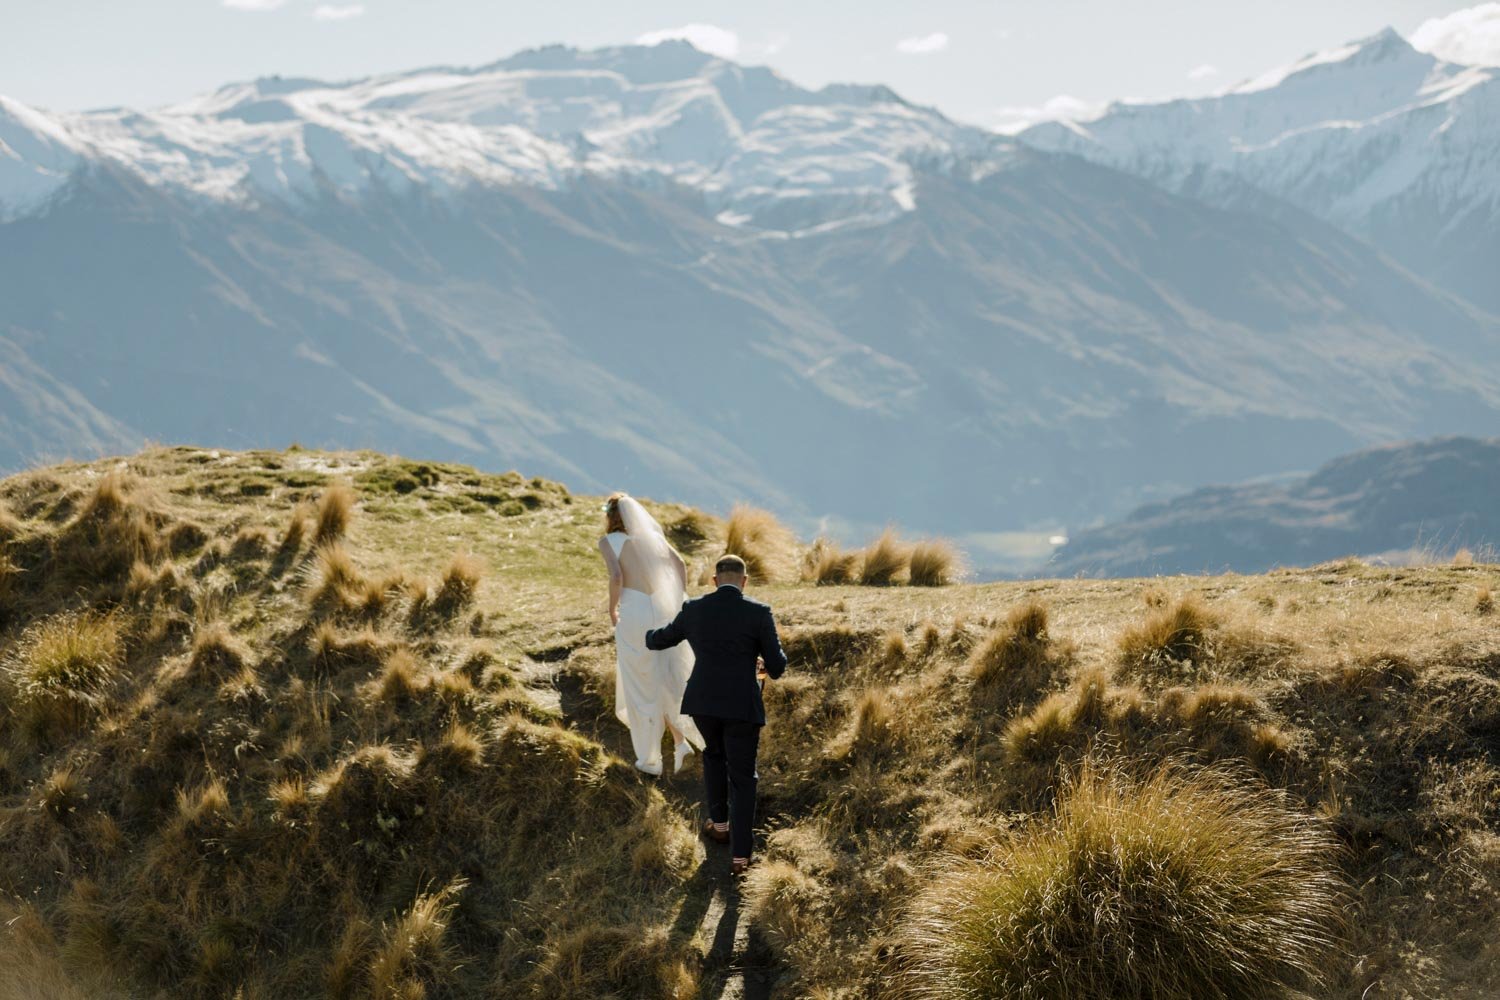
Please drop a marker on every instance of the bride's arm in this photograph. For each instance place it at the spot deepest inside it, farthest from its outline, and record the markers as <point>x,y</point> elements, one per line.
<point>615,580</point>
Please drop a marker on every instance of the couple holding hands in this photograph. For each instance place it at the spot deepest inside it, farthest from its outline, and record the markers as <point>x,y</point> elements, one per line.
<point>692,668</point>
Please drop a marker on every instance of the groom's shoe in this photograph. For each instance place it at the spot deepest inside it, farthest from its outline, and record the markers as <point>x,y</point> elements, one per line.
<point>739,866</point>
<point>712,832</point>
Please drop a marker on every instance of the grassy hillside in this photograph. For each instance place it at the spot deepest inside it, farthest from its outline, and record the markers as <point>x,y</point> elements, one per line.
<point>306,724</point>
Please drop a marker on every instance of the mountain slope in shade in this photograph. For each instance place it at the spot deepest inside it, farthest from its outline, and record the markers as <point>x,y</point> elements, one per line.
<point>1032,347</point>
<point>1388,142</point>
<point>1434,496</point>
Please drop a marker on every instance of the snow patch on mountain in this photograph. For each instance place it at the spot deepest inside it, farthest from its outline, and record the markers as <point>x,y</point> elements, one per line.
<point>764,152</point>
<point>1348,134</point>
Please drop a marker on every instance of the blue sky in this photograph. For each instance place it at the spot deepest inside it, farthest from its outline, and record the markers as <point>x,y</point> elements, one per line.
<point>980,61</point>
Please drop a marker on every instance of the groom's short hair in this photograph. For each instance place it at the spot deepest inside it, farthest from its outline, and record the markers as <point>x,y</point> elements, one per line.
<point>730,565</point>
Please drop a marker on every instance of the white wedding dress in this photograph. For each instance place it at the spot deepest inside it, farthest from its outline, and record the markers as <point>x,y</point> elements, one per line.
<point>649,684</point>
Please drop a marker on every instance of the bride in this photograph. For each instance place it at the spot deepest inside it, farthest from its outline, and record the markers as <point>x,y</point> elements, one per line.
<point>647,584</point>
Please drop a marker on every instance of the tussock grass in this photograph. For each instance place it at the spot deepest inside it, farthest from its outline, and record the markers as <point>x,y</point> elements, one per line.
<point>10,574</point>
<point>323,794</point>
<point>826,563</point>
<point>185,539</point>
<point>334,512</point>
<point>33,964</point>
<point>459,583</point>
<point>218,654</point>
<point>601,961</point>
<point>296,530</point>
<point>64,669</point>
<point>110,533</point>
<point>413,955</point>
<point>252,542</point>
<point>690,531</point>
<point>1484,601</point>
<point>402,678</point>
<point>1179,633</point>
<point>768,547</point>
<point>1183,885</point>
<point>333,581</point>
<point>884,560</point>
<point>10,525</point>
<point>1020,659</point>
<point>934,562</point>
<point>1071,719</point>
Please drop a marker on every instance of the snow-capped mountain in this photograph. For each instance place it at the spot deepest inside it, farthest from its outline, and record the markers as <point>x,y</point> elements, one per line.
<point>651,269</point>
<point>1385,141</point>
<point>763,151</point>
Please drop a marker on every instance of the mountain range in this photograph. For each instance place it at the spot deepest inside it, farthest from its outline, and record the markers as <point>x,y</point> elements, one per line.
<point>650,268</point>
<point>1401,502</point>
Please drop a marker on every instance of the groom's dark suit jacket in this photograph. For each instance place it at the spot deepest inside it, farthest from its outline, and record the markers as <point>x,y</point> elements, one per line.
<point>727,631</point>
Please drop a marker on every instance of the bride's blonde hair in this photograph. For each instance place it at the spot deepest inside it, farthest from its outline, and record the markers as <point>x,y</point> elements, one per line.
<point>613,520</point>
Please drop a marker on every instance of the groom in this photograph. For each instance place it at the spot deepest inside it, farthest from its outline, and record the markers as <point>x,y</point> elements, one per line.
<point>727,631</point>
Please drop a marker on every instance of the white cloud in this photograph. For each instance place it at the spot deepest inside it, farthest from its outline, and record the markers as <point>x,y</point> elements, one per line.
<point>1010,120</point>
<point>329,12</point>
<point>253,4</point>
<point>1203,72</point>
<point>922,45</point>
<point>710,38</point>
<point>1470,36</point>
<point>774,44</point>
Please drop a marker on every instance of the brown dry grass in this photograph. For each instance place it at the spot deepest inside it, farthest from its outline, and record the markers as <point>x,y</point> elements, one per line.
<point>335,770</point>
<point>768,547</point>
<point>884,561</point>
<point>934,562</point>
<point>334,511</point>
<point>1182,885</point>
<point>826,564</point>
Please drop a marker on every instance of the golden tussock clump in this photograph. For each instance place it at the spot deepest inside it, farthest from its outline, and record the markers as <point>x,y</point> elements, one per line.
<point>460,582</point>
<point>599,961</point>
<point>34,967</point>
<point>333,581</point>
<point>884,560</point>
<point>1021,658</point>
<point>333,649</point>
<point>690,531</point>
<point>1070,719</point>
<point>1177,633</point>
<point>767,546</point>
<point>10,525</point>
<point>218,654</point>
<point>1484,601</point>
<point>1183,885</point>
<point>934,562</point>
<point>108,535</point>
<point>296,529</point>
<point>64,667</point>
<point>827,564</point>
<point>790,907</point>
<point>413,955</point>
<point>402,678</point>
<point>334,512</point>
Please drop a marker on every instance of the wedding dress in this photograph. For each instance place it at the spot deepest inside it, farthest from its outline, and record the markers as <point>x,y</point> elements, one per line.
<point>649,685</point>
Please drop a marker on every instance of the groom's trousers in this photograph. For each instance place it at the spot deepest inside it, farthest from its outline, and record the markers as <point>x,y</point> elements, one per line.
<point>729,749</point>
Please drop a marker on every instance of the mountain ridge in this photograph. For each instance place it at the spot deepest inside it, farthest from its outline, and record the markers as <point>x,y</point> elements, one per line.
<point>1422,500</point>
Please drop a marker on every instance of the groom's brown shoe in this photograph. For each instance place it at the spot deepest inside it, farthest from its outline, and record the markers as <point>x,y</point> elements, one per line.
<point>714,833</point>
